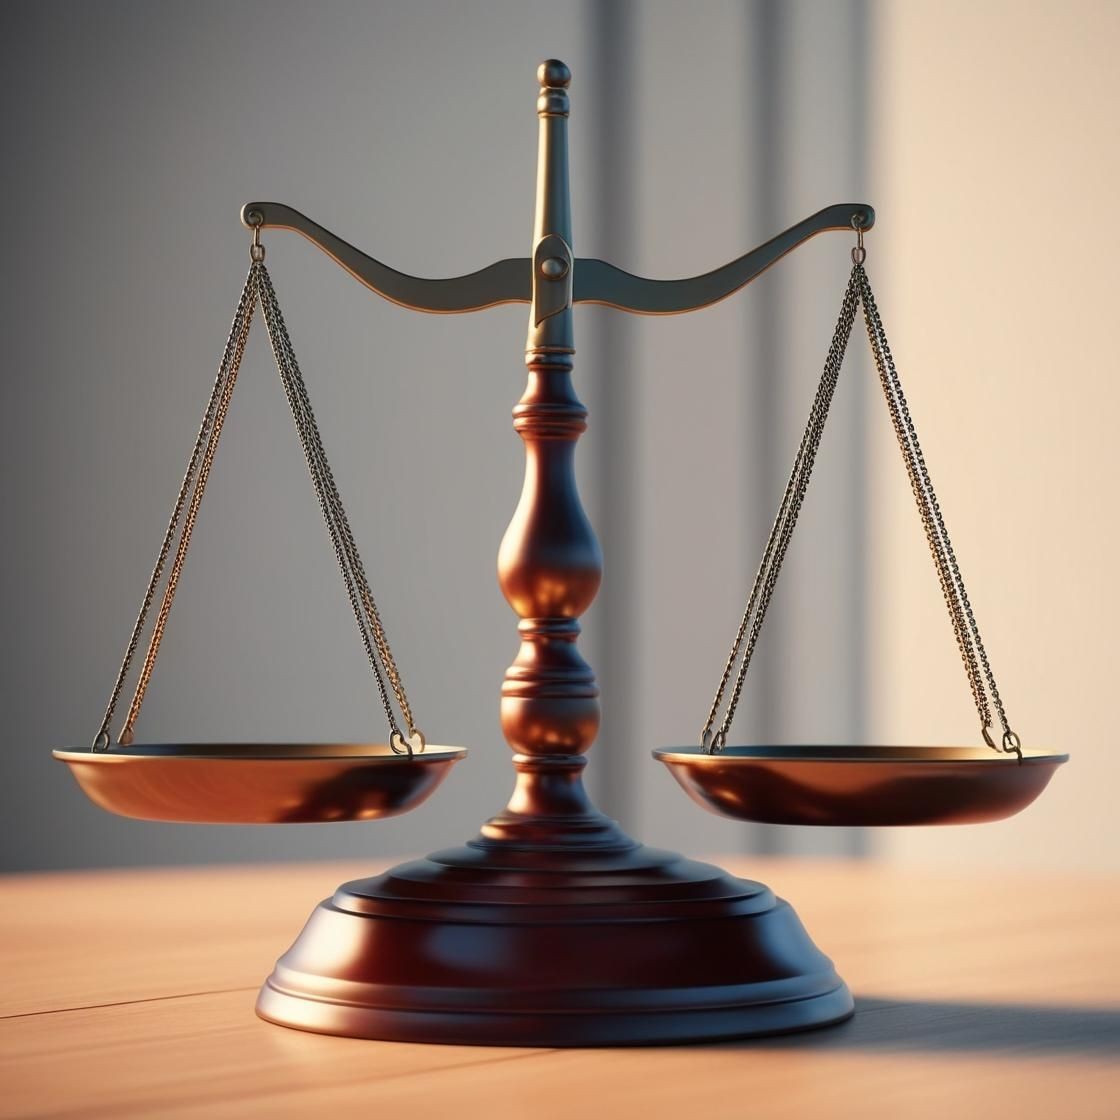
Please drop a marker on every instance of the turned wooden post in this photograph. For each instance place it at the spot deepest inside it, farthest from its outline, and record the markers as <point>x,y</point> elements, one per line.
<point>549,564</point>
<point>553,928</point>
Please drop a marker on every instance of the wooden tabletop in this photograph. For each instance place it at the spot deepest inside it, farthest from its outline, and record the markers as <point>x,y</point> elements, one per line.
<point>131,993</point>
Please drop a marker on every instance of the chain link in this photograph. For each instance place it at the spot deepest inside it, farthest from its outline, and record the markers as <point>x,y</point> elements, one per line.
<point>973,654</point>
<point>258,286</point>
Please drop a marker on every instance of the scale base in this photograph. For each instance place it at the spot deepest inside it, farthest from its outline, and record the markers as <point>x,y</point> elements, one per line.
<point>601,943</point>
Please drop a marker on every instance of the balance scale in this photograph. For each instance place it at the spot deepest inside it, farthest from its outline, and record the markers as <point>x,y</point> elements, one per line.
<point>552,927</point>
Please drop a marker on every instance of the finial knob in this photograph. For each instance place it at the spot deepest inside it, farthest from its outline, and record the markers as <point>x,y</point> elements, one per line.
<point>553,74</point>
<point>554,77</point>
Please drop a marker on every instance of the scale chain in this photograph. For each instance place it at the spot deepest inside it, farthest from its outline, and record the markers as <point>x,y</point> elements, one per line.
<point>327,508</point>
<point>960,607</point>
<point>258,286</point>
<point>782,530</point>
<point>330,501</point>
<point>231,360</point>
<point>929,522</point>
<point>966,631</point>
<point>158,629</point>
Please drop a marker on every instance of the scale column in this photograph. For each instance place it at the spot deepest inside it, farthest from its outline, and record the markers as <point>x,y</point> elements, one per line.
<point>550,564</point>
<point>553,928</point>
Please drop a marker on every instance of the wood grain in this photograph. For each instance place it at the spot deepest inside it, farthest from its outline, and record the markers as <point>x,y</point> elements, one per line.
<point>130,994</point>
<point>79,939</point>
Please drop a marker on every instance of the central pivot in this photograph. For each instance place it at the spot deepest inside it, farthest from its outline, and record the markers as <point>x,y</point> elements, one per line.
<point>553,928</point>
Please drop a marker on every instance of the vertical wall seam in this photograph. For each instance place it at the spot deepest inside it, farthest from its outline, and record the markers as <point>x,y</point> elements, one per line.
<point>611,123</point>
<point>766,173</point>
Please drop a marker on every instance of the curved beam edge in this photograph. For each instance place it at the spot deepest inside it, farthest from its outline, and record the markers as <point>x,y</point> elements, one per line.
<point>603,283</point>
<point>506,281</point>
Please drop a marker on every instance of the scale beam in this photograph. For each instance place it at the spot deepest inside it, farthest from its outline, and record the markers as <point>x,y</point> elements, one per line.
<point>603,283</point>
<point>505,281</point>
<point>592,281</point>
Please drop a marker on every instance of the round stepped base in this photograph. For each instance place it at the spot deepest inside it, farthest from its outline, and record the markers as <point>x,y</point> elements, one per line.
<point>497,944</point>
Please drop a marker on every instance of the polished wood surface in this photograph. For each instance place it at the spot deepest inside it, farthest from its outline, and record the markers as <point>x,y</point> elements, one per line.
<point>978,994</point>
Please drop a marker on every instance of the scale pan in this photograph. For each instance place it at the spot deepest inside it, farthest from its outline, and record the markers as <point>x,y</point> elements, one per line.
<point>259,783</point>
<point>863,786</point>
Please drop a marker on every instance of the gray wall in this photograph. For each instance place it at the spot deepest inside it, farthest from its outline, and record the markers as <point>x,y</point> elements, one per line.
<point>134,131</point>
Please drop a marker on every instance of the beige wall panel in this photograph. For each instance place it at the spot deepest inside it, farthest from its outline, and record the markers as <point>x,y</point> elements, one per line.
<point>997,163</point>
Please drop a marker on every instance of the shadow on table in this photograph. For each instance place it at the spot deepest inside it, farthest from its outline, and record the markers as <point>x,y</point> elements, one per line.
<point>1028,1030</point>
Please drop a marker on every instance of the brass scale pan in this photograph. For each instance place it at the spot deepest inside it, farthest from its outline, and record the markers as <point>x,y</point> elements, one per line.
<point>293,783</point>
<point>864,786</point>
<point>259,783</point>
